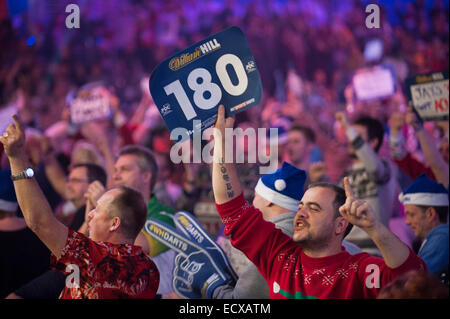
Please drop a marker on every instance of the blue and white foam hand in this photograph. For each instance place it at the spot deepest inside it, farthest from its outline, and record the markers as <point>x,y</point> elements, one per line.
<point>197,275</point>
<point>189,226</point>
<point>196,272</point>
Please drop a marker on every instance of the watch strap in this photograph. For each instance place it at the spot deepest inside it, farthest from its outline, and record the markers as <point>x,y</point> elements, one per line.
<point>21,175</point>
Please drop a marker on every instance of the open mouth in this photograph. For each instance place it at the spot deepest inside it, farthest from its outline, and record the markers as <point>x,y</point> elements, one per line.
<point>300,224</point>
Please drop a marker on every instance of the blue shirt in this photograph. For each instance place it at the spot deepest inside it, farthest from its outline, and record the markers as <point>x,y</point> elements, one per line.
<point>435,247</point>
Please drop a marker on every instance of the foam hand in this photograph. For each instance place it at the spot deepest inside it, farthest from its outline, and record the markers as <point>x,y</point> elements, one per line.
<point>189,226</point>
<point>198,268</point>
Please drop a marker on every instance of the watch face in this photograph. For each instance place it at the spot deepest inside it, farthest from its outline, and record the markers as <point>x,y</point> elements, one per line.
<point>29,172</point>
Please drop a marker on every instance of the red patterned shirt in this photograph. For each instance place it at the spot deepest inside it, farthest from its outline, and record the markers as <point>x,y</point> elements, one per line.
<point>101,270</point>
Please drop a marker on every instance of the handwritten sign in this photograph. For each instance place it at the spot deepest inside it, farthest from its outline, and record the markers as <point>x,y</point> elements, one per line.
<point>428,95</point>
<point>373,83</point>
<point>91,103</point>
<point>190,85</point>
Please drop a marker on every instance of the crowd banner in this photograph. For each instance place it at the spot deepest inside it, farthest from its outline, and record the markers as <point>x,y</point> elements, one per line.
<point>191,84</point>
<point>428,95</point>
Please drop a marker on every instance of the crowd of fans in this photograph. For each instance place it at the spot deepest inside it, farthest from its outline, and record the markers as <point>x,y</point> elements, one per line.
<point>306,53</point>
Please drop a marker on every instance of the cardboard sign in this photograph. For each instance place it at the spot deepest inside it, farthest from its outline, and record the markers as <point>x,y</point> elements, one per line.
<point>373,83</point>
<point>428,95</point>
<point>90,104</point>
<point>190,85</point>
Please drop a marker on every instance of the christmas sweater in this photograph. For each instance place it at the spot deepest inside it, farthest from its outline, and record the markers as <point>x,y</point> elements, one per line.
<point>290,273</point>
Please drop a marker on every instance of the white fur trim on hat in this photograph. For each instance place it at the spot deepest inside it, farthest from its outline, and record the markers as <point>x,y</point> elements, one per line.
<point>275,197</point>
<point>424,199</point>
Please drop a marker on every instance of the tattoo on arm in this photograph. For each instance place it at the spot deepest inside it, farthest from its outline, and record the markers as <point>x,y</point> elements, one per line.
<point>226,178</point>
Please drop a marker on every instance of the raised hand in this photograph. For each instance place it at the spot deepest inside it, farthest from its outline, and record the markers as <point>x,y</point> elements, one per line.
<point>341,117</point>
<point>412,119</point>
<point>396,122</point>
<point>356,211</point>
<point>222,123</point>
<point>317,171</point>
<point>13,139</point>
<point>94,192</point>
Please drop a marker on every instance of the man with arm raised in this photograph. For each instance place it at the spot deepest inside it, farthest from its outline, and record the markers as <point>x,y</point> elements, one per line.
<point>109,265</point>
<point>311,264</point>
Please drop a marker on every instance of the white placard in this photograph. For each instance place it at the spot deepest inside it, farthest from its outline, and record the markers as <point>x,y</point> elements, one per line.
<point>91,105</point>
<point>431,99</point>
<point>374,83</point>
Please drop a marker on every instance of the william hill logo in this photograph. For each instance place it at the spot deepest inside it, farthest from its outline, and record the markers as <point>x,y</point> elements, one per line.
<point>188,57</point>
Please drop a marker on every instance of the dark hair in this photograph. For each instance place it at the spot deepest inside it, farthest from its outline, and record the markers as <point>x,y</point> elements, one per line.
<point>130,207</point>
<point>414,285</point>
<point>94,172</point>
<point>146,160</point>
<point>374,129</point>
<point>338,201</point>
<point>306,131</point>
<point>441,211</point>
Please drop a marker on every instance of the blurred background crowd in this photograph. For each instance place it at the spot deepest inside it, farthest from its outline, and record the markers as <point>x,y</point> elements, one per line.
<point>306,52</point>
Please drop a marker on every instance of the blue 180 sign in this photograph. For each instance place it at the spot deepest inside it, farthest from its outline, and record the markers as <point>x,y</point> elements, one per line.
<point>189,86</point>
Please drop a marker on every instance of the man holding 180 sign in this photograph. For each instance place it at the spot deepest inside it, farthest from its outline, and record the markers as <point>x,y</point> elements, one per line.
<point>312,263</point>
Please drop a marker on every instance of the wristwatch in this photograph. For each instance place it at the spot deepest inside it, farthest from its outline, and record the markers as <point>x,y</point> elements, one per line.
<point>26,174</point>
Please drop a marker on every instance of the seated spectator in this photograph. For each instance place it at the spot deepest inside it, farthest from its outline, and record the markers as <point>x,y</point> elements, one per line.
<point>23,256</point>
<point>426,206</point>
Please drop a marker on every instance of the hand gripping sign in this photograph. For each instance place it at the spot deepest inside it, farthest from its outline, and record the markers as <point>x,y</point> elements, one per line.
<point>201,265</point>
<point>190,85</point>
<point>428,95</point>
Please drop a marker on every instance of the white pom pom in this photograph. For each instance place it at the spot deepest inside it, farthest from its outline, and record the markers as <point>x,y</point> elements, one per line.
<point>280,185</point>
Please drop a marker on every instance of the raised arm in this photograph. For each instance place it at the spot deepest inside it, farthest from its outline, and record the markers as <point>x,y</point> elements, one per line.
<point>363,150</point>
<point>35,207</point>
<point>225,181</point>
<point>54,172</point>
<point>359,213</point>
<point>432,156</point>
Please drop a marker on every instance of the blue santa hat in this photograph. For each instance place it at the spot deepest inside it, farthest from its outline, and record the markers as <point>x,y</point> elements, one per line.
<point>8,201</point>
<point>284,187</point>
<point>425,192</point>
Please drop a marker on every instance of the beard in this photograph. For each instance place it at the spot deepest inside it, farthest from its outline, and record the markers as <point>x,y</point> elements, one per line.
<point>311,242</point>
